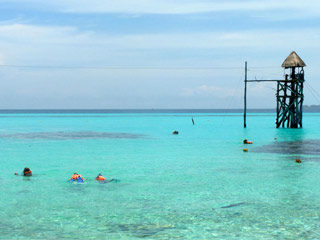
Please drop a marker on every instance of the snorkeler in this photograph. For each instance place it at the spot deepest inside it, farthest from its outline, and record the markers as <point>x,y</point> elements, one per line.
<point>27,172</point>
<point>100,177</point>
<point>76,177</point>
<point>245,141</point>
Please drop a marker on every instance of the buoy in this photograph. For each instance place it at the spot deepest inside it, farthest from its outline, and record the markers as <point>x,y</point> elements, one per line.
<point>245,150</point>
<point>298,160</point>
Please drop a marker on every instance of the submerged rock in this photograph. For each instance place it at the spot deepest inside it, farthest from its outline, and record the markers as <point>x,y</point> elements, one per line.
<point>141,230</point>
<point>61,135</point>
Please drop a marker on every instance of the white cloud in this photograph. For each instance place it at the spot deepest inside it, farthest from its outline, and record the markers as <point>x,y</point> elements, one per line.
<point>173,7</point>
<point>67,46</point>
<point>40,35</point>
<point>254,90</point>
<point>205,90</point>
<point>29,44</point>
<point>23,44</point>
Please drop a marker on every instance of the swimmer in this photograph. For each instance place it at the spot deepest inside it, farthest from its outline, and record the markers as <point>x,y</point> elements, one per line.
<point>27,172</point>
<point>245,141</point>
<point>76,177</point>
<point>100,178</point>
<point>175,132</point>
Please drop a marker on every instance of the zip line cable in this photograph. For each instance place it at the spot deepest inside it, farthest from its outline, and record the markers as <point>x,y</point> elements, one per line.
<point>127,67</point>
<point>317,93</point>
<point>232,100</point>
<point>117,67</point>
<point>313,92</point>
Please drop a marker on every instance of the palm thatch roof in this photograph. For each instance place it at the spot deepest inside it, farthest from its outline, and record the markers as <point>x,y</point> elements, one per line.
<point>293,60</point>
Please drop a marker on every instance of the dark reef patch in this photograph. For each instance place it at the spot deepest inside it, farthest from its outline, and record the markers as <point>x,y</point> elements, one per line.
<point>308,147</point>
<point>140,230</point>
<point>61,135</point>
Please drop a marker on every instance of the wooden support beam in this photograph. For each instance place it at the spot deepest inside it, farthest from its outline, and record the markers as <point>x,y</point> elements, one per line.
<point>245,95</point>
<point>289,97</point>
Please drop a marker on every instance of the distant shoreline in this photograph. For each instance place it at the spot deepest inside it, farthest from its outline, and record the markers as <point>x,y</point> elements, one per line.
<point>306,109</point>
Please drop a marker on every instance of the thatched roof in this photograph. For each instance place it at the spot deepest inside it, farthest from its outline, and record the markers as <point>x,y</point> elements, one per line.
<point>293,60</point>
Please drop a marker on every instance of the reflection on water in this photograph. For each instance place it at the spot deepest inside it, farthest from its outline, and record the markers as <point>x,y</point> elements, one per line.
<point>70,135</point>
<point>310,147</point>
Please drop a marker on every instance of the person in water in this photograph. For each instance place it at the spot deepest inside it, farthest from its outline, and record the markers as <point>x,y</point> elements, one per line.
<point>245,141</point>
<point>76,177</point>
<point>100,177</point>
<point>27,172</point>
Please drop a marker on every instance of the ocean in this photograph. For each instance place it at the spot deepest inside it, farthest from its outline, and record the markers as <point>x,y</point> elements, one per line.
<point>199,184</point>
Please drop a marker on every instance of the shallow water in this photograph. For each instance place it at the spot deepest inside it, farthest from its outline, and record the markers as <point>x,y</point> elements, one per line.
<point>195,185</point>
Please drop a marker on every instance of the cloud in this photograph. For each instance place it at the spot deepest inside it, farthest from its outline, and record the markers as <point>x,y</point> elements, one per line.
<point>63,41</point>
<point>254,90</point>
<point>55,33</point>
<point>22,44</point>
<point>205,90</point>
<point>170,7</point>
<point>20,32</point>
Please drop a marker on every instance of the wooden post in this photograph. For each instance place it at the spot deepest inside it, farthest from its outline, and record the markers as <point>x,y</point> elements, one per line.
<point>301,98</point>
<point>245,96</point>
<point>289,93</point>
<point>278,100</point>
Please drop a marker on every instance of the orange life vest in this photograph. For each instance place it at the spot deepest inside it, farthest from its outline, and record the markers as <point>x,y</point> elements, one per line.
<point>27,173</point>
<point>101,178</point>
<point>75,176</point>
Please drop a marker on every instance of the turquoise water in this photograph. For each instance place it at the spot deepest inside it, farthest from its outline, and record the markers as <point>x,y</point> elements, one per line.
<point>195,185</point>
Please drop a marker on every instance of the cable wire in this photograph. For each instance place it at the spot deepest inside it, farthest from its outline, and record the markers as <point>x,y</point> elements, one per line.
<point>119,67</point>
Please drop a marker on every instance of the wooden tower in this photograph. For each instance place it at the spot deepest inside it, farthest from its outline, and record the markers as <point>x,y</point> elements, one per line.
<point>290,93</point>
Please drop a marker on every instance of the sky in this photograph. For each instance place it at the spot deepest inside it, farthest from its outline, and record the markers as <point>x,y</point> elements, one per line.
<point>132,54</point>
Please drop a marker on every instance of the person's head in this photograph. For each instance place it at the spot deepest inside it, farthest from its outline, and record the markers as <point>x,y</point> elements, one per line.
<point>26,169</point>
